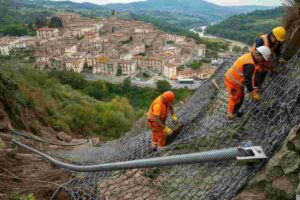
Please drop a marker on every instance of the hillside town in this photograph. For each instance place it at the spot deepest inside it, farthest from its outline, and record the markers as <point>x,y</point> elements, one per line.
<point>111,47</point>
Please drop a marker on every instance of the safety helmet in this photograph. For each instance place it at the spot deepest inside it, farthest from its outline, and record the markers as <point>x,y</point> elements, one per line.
<point>265,52</point>
<point>279,33</point>
<point>169,96</point>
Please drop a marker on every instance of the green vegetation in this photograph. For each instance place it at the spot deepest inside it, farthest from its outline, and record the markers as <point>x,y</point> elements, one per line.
<point>139,98</point>
<point>17,196</point>
<point>163,86</point>
<point>170,42</point>
<point>15,29</point>
<point>34,99</point>
<point>236,49</point>
<point>200,8</point>
<point>56,22</point>
<point>196,64</point>
<point>180,68</point>
<point>172,18</point>
<point>17,20</point>
<point>246,27</point>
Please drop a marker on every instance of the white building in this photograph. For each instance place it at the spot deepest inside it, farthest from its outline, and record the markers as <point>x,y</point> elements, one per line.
<point>4,50</point>
<point>7,44</point>
<point>201,50</point>
<point>170,70</point>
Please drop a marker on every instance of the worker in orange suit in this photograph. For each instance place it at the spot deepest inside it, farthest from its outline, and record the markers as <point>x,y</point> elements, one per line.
<point>156,119</point>
<point>274,40</point>
<point>241,74</point>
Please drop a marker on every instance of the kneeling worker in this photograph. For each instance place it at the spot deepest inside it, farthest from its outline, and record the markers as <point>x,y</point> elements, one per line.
<point>274,40</point>
<point>241,74</point>
<point>157,116</point>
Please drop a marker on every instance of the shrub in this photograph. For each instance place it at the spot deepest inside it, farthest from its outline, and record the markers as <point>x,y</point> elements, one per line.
<point>163,86</point>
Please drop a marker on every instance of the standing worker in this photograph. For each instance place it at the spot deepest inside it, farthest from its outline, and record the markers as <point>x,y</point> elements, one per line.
<point>274,41</point>
<point>241,74</point>
<point>157,116</point>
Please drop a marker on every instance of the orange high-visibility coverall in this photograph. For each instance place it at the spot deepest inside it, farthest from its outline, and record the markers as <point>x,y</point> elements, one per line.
<point>158,108</point>
<point>234,81</point>
<point>266,64</point>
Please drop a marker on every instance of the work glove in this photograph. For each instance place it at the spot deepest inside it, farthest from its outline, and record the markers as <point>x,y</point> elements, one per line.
<point>282,61</point>
<point>168,131</point>
<point>174,118</point>
<point>255,95</point>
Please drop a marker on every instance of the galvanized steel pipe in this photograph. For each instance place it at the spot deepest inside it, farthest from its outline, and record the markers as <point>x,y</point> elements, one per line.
<point>210,156</point>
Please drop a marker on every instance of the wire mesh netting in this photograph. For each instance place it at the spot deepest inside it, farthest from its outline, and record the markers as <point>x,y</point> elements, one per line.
<point>265,123</point>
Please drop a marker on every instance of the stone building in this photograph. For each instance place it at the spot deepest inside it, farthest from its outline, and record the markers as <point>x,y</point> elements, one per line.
<point>46,33</point>
<point>107,67</point>
<point>75,64</point>
<point>154,64</point>
<point>66,18</point>
<point>128,67</point>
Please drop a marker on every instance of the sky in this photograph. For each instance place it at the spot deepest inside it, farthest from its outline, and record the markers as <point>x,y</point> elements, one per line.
<point>219,2</point>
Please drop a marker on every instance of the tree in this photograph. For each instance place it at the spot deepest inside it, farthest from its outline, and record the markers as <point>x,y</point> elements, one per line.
<point>180,68</point>
<point>236,49</point>
<point>39,24</point>
<point>127,83</point>
<point>15,30</point>
<point>86,66</point>
<point>56,22</point>
<point>163,86</point>
<point>97,90</point>
<point>75,80</point>
<point>170,42</point>
<point>196,65</point>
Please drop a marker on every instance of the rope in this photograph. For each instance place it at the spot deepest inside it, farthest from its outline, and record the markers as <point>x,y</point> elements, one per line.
<point>18,133</point>
<point>193,158</point>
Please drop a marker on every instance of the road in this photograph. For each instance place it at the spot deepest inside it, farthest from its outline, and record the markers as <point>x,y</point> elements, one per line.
<point>232,42</point>
<point>149,83</point>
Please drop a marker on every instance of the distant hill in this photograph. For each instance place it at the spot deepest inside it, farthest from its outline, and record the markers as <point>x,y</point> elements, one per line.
<point>57,4</point>
<point>246,27</point>
<point>173,16</point>
<point>198,8</point>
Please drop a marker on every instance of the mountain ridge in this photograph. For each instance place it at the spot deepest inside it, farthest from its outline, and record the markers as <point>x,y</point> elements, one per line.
<point>199,8</point>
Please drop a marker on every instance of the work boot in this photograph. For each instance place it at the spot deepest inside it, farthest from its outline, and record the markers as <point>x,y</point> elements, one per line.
<point>240,114</point>
<point>154,146</point>
<point>231,116</point>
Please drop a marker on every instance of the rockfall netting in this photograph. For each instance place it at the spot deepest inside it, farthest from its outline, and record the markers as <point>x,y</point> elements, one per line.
<point>265,123</point>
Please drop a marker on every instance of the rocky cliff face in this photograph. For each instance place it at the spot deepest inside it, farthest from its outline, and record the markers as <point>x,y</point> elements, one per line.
<point>279,178</point>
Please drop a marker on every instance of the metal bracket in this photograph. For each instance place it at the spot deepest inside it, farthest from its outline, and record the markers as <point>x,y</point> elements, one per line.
<point>251,155</point>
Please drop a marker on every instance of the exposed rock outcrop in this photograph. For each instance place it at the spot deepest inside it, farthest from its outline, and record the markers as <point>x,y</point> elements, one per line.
<point>279,179</point>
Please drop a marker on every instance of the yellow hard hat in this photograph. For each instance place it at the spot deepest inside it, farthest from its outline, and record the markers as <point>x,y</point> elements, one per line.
<point>279,32</point>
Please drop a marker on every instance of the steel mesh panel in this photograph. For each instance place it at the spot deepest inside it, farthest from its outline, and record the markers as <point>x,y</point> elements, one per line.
<point>265,124</point>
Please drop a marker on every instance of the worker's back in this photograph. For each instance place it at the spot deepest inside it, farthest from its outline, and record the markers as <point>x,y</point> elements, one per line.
<point>163,109</point>
<point>235,74</point>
